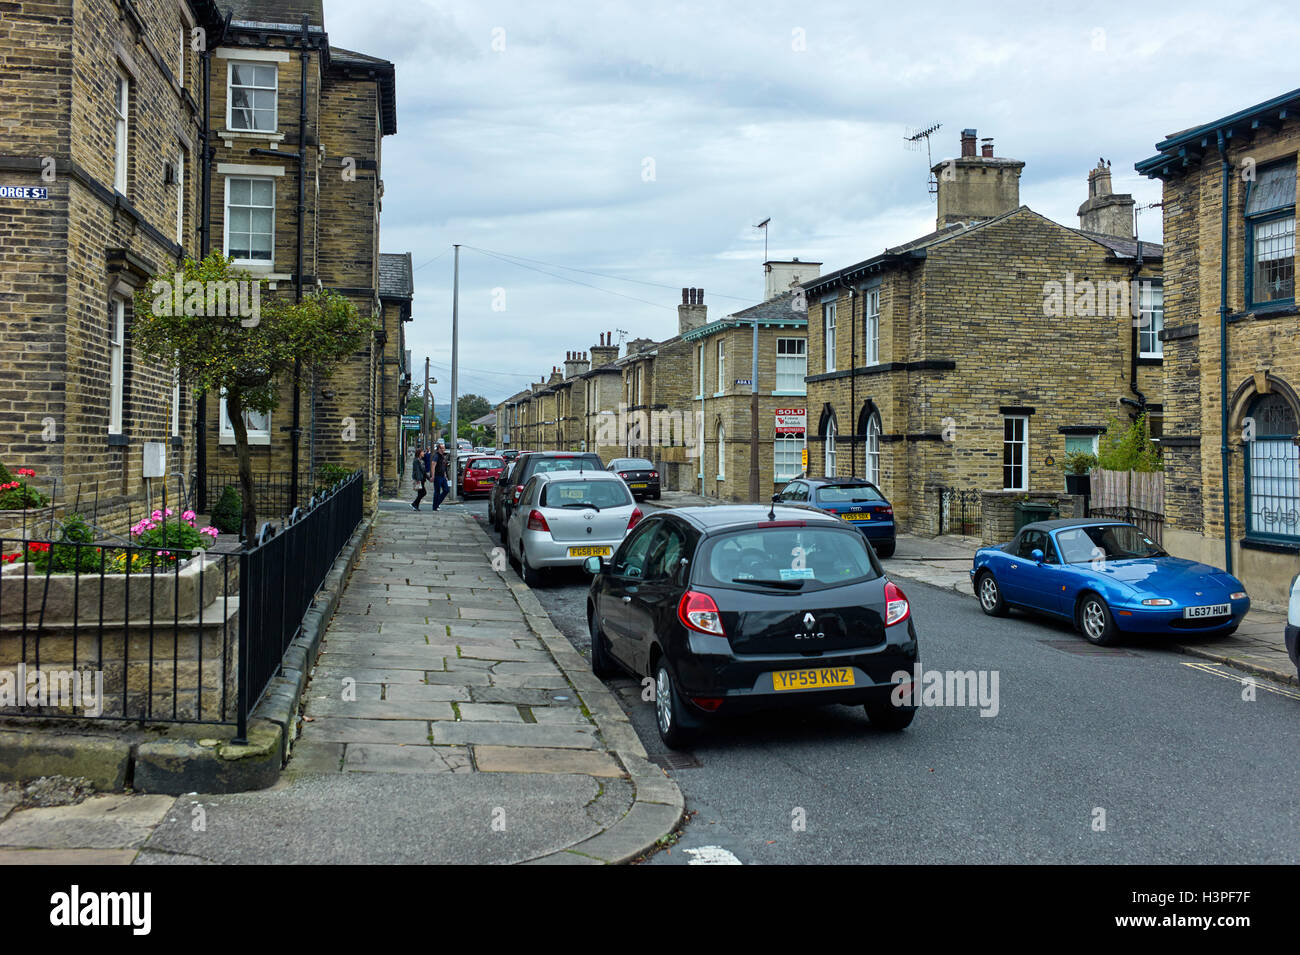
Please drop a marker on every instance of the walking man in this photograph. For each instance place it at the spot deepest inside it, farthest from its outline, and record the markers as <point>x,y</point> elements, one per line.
<point>418,476</point>
<point>440,487</point>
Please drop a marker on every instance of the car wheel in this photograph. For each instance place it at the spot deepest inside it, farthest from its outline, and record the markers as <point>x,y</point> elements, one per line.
<point>527,573</point>
<point>990,595</point>
<point>1094,621</point>
<point>669,709</point>
<point>884,715</point>
<point>601,663</point>
<point>885,549</point>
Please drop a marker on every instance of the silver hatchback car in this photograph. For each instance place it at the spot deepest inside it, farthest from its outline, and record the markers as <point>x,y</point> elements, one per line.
<point>564,517</point>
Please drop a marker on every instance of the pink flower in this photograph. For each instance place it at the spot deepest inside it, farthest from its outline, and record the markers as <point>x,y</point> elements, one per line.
<point>189,516</point>
<point>157,515</point>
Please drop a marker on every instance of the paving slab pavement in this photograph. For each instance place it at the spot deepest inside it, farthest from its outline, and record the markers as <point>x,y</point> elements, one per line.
<point>446,721</point>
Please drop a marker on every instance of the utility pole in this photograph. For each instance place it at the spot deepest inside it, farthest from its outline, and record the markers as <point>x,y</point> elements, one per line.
<point>753,423</point>
<point>753,392</point>
<point>426,429</point>
<point>455,362</point>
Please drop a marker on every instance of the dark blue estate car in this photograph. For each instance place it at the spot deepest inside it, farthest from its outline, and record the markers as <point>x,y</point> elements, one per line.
<point>853,500</point>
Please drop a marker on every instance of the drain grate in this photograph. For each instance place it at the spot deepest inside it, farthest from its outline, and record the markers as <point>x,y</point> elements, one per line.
<point>1083,648</point>
<point>671,761</point>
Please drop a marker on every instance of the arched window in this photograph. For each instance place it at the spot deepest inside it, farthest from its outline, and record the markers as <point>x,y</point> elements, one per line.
<point>873,449</point>
<point>830,448</point>
<point>1273,470</point>
<point>722,452</point>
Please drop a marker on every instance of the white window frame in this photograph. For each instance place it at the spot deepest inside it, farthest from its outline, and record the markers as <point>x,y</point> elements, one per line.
<point>872,452</point>
<point>225,229</point>
<point>256,435</point>
<point>180,197</point>
<point>116,363</point>
<point>796,360</point>
<point>828,333</point>
<point>176,402</point>
<point>828,452</point>
<point>871,326</point>
<point>230,96</point>
<point>122,130</point>
<point>1151,309</point>
<point>722,366</point>
<point>1023,445</point>
<point>781,454</point>
<point>722,452</point>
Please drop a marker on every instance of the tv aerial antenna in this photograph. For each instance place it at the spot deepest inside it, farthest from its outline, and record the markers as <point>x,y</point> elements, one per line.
<point>914,144</point>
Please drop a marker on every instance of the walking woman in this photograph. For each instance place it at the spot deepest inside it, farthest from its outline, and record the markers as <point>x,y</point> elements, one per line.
<point>418,476</point>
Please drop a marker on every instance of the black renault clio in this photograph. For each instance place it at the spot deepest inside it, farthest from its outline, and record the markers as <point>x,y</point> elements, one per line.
<point>734,608</point>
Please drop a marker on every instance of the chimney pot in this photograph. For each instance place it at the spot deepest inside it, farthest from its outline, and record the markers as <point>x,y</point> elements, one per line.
<point>684,292</point>
<point>701,299</point>
<point>987,150</point>
<point>968,142</point>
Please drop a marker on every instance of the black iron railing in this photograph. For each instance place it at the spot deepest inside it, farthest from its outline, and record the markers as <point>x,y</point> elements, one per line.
<point>272,492</point>
<point>99,630</point>
<point>280,574</point>
<point>164,630</point>
<point>959,510</point>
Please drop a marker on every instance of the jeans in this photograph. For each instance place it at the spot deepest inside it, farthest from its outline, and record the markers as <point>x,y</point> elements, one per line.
<point>440,490</point>
<point>419,494</point>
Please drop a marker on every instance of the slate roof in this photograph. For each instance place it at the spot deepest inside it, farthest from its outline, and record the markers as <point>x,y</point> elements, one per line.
<point>778,309</point>
<point>396,279</point>
<point>1124,248</point>
<point>277,11</point>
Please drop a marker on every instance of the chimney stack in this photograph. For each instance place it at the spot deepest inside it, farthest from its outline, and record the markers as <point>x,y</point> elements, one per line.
<point>974,187</point>
<point>576,364</point>
<point>692,313</point>
<point>780,277</point>
<point>1106,212</point>
<point>603,353</point>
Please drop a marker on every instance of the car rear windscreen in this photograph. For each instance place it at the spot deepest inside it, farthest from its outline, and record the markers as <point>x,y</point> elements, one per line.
<point>848,494</point>
<point>635,464</point>
<point>600,494</point>
<point>487,464</point>
<point>787,558</point>
<point>544,465</point>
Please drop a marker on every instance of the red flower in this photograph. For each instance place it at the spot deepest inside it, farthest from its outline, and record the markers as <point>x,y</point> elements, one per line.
<point>38,547</point>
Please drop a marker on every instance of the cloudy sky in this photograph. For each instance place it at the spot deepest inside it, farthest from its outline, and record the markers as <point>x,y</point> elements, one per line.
<point>642,141</point>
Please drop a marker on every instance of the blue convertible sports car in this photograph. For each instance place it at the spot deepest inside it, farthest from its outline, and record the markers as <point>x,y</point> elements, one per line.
<point>1109,578</point>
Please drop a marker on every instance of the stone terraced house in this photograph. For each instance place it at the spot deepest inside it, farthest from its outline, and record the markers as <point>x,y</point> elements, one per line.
<point>267,125</point>
<point>98,190</point>
<point>977,356</point>
<point>103,185</point>
<point>1231,345</point>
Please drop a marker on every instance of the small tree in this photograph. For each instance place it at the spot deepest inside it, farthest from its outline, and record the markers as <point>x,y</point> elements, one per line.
<point>1128,448</point>
<point>228,336</point>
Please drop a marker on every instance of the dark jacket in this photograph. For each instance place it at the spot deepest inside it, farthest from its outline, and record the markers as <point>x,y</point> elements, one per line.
<point>440,465</point>
<point>417,469</point>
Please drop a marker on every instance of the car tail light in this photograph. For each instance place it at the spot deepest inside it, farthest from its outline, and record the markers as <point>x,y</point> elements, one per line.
<point>896,606</point>
<point>655,474</point>
<point>698,612</point>
<point>536,522</point>
<point>887,511</point>
<point>623,475</point>
<point>635,518</point>
<point>519,489</point>
<point>708,704</point>
<point>781,524</point>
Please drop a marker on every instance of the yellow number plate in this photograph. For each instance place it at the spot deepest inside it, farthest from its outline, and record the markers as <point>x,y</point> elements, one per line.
<point>812,679</point>
<point>857,517</point>
<point>589,551</point>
